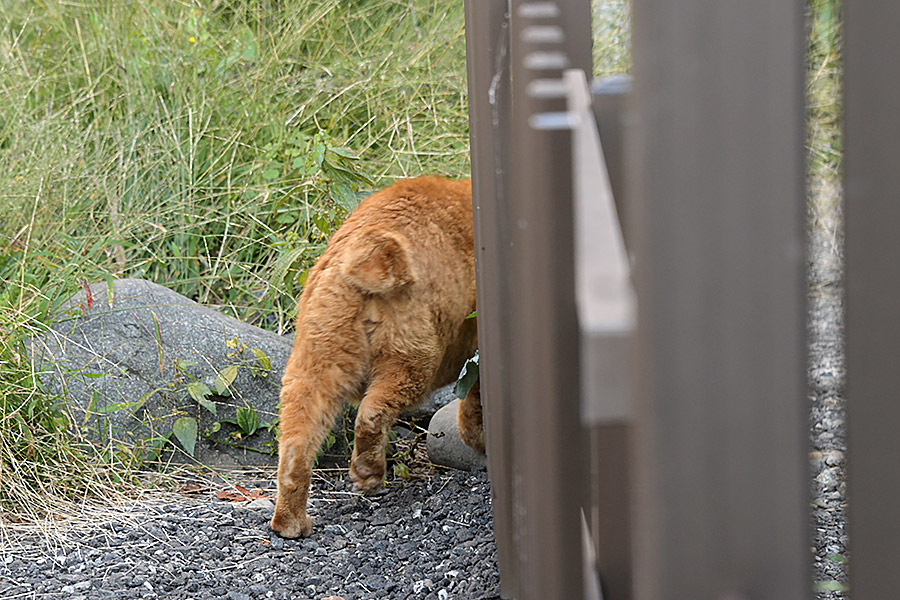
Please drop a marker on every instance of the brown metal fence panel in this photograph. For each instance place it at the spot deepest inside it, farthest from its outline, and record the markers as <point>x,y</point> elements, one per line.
<point>717,181</point>
<point>872,185</point>
<point>698,489</point>
<point>549,446</point>
<point>538,454</point>
<point>487,57</point>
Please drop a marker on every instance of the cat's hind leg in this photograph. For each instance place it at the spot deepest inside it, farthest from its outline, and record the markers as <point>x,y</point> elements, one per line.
<point>396,385</point>
<point>309,408</point>
<point>469,419</point>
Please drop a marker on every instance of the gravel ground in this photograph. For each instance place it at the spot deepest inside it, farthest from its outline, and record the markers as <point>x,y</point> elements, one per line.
<point>827,373</point>
<point>426,538</point>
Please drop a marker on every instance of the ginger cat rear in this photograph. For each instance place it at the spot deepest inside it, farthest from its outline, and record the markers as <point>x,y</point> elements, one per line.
<point>382,321</point>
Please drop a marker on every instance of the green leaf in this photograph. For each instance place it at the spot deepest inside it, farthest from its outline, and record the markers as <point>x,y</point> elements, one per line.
<point>152,447</point>
<point>344,195</point>
<point>271,174</point>
<point>467,377</point>
<point>318,153</point>
<point>302,276</point>
<point>285,263</point>
<point>225,378</point>
<point>262,359</point>
<point>343,152</point>
<point>322,224</point>
<point>250,49</point>
<point>185,430</point>
<point>401,471</point>
<point>184,364</point>
<point>200,392</point>
<point>247,420</point>
<point>92,403</point>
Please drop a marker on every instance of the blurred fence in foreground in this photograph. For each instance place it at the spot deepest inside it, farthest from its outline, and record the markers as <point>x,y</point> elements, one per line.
<point>642,304</point>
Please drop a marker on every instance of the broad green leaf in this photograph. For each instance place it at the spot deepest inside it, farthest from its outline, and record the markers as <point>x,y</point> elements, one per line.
<point>247,420</point>
<point>344,195</point>
<point>251,50</point>
<point>262,358</point>
<point>200,392</point>
<point>185,430</point>
<point>467,377</point>
<point>153,446</point>
<point>225,378</point>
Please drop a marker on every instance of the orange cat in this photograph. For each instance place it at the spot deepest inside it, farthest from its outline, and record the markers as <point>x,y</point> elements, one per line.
<point>382,321</point>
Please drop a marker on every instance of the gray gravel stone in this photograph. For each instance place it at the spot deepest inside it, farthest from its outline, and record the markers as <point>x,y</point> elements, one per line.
<point>245,561</point>
<point>827,376</point>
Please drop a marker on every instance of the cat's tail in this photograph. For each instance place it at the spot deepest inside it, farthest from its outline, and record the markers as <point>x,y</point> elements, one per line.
<point>379,262</point>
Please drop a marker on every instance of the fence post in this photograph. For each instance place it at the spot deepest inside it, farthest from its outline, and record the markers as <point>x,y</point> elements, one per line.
<point>717,174</point>
<point>487,58</point>
<point>549,445</point>
<point>872,187</point>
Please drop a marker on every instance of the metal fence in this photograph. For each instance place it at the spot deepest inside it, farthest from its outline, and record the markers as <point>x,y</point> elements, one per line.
<point>642,314</point>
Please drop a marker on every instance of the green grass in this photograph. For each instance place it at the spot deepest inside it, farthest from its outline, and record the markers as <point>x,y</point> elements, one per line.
<point>824,113</point>
<point>209,146</point>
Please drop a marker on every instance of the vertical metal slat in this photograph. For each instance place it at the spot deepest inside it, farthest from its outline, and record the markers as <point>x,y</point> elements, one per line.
<point>720,444</point>
<point>487,58</point>
<point>872,217</point>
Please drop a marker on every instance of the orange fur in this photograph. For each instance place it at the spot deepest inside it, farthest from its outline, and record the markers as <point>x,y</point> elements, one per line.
<point>382,320</point>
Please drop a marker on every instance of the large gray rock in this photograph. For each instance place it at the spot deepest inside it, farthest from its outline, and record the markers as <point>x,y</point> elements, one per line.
<point>127,362</point>
<point>445,446</point>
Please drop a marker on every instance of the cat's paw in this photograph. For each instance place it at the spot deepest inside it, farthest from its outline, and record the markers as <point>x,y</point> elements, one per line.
<point>291,526</point>
<point>367,474</point>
